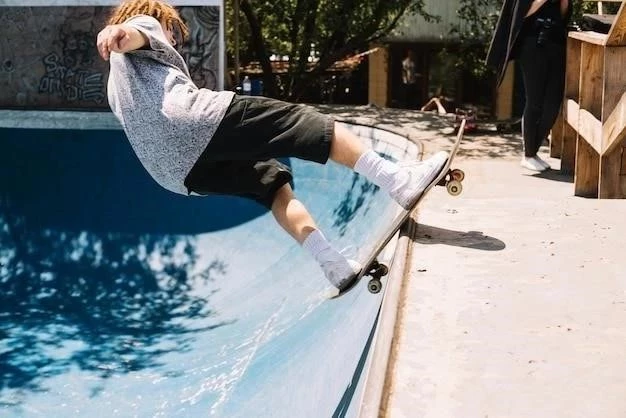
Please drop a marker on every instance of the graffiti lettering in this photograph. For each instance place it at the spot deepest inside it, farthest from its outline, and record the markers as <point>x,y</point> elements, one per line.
<point>71,84</point>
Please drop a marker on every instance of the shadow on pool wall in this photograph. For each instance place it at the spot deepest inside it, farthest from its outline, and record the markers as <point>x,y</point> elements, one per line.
<point>81,225</point>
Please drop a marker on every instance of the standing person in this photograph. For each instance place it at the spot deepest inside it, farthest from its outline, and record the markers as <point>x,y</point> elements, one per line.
<point>534,32</point>
<point>199,141</point>
<point>409,80</point>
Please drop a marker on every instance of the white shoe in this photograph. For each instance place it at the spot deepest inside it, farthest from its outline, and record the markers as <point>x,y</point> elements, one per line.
<point>542,162</point>
<point>533,164</point>
<point>419,174</point>
<point>341,272</point>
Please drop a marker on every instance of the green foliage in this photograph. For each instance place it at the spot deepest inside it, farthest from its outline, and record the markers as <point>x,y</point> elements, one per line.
<point>327,30</point>
<point>478,20</point>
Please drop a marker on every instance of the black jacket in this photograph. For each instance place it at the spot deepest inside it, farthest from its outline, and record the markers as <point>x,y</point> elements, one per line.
<point>507,31</point>
<point>504,36</point>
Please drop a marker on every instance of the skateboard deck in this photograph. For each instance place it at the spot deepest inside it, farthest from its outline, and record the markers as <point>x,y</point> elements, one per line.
<point>450,178</point>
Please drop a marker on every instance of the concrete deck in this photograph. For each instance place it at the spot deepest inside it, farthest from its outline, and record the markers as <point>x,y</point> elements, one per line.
<point>515,304</point>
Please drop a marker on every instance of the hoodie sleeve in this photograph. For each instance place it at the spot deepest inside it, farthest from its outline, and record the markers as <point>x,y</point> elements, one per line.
<point>160,48</point>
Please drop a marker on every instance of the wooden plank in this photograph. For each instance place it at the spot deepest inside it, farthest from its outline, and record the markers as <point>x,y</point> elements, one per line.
<point>571,112</point>
<point>591,79</point>
<point>590,129</point>
<point>612,183</point>
<point>556,136</point>
<point>570,136</point>
<point>587,172</point>
<point>590,37</point>
<point>568,151</point>
<point>572,74</point>
<point>614,128</point>
<point>617,34</point>
<point>614,78</point>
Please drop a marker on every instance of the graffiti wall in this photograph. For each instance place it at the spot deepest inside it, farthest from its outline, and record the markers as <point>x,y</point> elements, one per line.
<point>48,56</point>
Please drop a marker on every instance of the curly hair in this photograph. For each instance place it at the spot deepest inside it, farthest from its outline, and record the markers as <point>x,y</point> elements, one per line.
<point>157,9</point>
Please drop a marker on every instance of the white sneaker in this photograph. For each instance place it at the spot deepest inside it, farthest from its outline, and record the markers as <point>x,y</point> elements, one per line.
<point>340,271</point>
<point>532,163</point>
<point>419,174</point>
<point>542,162</point>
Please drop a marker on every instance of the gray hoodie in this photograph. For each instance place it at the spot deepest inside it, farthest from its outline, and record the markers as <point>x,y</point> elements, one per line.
<point>167,119</point>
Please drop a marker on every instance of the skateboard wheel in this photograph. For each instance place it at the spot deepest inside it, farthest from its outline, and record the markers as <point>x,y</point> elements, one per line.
<point>374,286</point>
<point>457,174</point>
<point>454,187</point>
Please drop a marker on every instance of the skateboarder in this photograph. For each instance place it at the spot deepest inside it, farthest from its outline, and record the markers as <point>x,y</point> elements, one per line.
<point>199,141</point>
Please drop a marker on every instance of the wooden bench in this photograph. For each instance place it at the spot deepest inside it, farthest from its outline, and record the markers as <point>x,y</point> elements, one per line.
<point>590,134</point>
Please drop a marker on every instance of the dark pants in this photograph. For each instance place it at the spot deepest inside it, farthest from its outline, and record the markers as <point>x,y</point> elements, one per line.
<point>543,70</point>
<point>241,157</point>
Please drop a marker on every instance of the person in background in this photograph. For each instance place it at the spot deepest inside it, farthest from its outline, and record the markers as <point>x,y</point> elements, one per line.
<point>197,141</point>
<point>534,32</point>
<point>409,80</point>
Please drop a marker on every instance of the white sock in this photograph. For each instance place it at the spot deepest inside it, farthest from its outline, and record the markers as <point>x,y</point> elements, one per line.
<point>383,173</point>
<point>315,243</point>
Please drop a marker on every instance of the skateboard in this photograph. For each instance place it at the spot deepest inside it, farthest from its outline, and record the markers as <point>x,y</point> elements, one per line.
<point>475,124</point>
<point>447,177</point>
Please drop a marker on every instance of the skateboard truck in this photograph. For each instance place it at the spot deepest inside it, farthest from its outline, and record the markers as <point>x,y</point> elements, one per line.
<point>452,181</point>
<point>376,270</point>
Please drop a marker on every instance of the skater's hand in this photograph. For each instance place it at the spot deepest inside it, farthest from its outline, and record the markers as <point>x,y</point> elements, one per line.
<point>118,38</point>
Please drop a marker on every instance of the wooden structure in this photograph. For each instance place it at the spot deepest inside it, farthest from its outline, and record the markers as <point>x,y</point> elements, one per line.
<point>378,87</point>
<point>590,134</point>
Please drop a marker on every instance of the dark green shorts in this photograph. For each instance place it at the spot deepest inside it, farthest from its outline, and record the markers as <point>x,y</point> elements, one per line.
<point>241,157</point>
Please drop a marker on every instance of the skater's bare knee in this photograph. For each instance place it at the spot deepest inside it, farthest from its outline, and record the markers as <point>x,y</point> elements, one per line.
<point>346,147</point>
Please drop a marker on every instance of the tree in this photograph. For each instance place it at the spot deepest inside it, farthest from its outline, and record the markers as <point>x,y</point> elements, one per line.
<point>478,20</point>
<point>328,30</point>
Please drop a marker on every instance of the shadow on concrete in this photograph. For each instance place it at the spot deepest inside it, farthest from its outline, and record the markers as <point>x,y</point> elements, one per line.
<point>492,146</point>
<point>554,175</point>
<point>427,234</point>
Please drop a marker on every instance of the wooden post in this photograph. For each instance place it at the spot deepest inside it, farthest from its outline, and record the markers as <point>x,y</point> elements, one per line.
<point>504,95</point>
<point>556,136</point>
<point>572,88</point>
<point>612,181</point>
<point>378,84</point>
<point>596,111</point>
<point>587,172</point>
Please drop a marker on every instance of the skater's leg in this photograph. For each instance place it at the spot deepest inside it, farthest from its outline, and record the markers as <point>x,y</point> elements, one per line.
<point>291,214</point>
<point>294,218</point>
<point>404,183</point>
<point>345,147</point>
